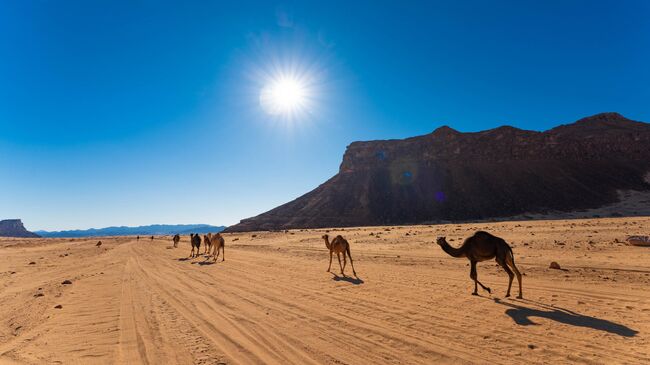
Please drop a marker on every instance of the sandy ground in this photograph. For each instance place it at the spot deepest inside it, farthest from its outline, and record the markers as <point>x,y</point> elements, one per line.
<point>272,302</point>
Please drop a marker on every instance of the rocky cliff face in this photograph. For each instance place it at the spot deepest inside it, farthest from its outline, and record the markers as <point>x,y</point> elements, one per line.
<point>452,176</point>
<point>14,228</point>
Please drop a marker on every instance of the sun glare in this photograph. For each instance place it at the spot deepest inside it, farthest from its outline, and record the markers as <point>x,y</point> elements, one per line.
<point>284,96</point>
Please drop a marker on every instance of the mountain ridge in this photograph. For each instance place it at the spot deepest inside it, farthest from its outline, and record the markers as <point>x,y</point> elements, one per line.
<point>153,229</point>
<point>448,175</point>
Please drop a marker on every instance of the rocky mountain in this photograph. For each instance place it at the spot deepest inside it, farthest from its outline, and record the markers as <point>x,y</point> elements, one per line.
<point>15,228</point>
<point>452,176</point>
<point>155,229</point>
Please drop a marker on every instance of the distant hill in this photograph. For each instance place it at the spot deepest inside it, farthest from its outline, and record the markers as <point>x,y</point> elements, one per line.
<point>155,230</point>
<point>449,176</point>
<point>15,228</point>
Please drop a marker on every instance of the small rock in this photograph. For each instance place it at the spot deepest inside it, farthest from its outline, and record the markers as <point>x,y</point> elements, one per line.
<point>58,306</point>
<point>555,265</point>
<point>32,263</point>
<point>66,282</point>
<point>38,295</point>
<point>531,346</point>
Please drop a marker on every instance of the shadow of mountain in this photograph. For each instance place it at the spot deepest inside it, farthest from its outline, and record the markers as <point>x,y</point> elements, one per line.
<point>521,315</point>
<point>355,281</point>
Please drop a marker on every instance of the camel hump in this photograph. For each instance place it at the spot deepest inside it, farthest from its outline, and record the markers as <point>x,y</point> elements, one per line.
<point>483,234</point>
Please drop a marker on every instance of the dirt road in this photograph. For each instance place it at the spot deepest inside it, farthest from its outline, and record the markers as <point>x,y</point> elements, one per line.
<point>271,301</point>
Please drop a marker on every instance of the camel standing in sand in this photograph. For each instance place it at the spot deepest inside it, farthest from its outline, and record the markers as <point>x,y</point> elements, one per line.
<point>195,240</point>
<point>176,239</point>
<point>483,246</point>
<point>218,243</point>
<point>207,243</point>
<point>341,246</point>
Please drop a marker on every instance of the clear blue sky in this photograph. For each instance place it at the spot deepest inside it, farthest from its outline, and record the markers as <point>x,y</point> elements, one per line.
<point>140,112</point>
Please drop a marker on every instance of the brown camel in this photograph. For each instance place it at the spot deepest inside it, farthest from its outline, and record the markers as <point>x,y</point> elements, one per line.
<point>217,243</point>
<point>207,244</point>
<point>483,246</point>
<point>195,240</point>
<point>341,246</point>
<point>176,239</point>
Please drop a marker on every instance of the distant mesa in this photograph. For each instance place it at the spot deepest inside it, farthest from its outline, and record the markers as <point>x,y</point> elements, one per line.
<point>451,176</point>
<point>15,228</point>
<point>155,230</point>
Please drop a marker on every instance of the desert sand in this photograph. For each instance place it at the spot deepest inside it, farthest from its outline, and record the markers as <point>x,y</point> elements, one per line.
<point>271,301</point>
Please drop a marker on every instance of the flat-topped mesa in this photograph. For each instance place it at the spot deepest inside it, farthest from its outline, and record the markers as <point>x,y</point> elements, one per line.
<point>15,228</point>
<point>454,176</point>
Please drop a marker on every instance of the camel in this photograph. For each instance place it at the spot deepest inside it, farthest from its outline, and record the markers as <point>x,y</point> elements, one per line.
<point>207,243</point>
<point>176,239</point>
<point>483,246</point>
<point>195,240</point>
<point>151,238</point>
<point>217,242</point>
<point>339,245</point>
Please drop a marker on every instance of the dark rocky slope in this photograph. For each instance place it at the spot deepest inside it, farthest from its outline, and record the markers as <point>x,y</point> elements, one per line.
<point>15,228</point>
<point>452,176</point>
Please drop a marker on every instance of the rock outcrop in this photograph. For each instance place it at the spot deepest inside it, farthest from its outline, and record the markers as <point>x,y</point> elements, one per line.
<point>15,228</point>
<point>452,176</point>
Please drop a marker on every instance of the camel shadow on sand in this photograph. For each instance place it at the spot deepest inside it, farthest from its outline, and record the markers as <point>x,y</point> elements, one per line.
<point>203,263</point>
<point>521,315</point>
<point>355,281</point>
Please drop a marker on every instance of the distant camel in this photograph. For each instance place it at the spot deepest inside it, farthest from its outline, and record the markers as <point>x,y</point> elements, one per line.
<point>176,239</point>
<point>195,240</point>
<point>207,244</point>
<point>99,243</point>
<point>217,243</point>
<point>151,238</point>
<point>483,246</point>
<point>138,238</point>
<point>341,246</point>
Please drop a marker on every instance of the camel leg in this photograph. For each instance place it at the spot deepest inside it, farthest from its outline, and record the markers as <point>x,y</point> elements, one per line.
<point>223,252</point>
<point>351,263</point>
<point>216,253</point>
<point>339,257</point>
<point>345,261</point>
<point>474,275</point>
<point>330,267</point>
<point>510,275</point>
<point>511,262</point>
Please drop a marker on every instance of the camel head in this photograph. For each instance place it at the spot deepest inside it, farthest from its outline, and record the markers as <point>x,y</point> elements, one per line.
<point>327,241</point>
<point>441,241</point>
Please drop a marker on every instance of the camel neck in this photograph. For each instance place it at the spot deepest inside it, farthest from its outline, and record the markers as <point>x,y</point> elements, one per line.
<point>327,243</point>
<point>452,251</point>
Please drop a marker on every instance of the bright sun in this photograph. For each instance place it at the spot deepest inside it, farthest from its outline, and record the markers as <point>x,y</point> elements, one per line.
<point>285,96</point>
